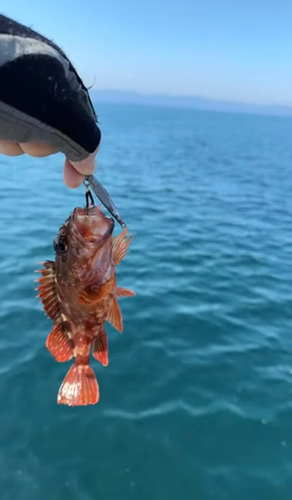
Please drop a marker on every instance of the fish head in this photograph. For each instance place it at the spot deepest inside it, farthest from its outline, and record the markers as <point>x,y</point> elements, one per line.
<point>83,247</point>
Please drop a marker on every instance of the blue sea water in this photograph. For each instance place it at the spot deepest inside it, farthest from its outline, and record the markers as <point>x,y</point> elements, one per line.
<point>196,399</point>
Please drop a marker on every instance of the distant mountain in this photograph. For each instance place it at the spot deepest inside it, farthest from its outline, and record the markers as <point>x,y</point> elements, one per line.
<point>192,102</point>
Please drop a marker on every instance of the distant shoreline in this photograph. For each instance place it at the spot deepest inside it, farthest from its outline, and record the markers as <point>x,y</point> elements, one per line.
<point>186,102</point>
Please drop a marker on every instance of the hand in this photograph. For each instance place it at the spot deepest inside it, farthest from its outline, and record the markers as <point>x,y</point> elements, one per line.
<point>74,171</point>
<point>48,108</point>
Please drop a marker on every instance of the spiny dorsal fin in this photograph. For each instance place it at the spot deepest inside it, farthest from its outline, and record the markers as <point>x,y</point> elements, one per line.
<point>120,246</point>
<point>115,316</point>
<point>47,291</point>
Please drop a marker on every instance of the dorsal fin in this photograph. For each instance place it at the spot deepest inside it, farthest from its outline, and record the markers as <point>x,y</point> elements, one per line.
<point>59,344</point>
<point>120,246</point>
<point>47,291</point>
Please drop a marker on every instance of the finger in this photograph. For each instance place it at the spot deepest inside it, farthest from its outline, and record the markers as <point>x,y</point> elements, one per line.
<point>10,148</point>
<point>72,178</point>
<point>87,166</point>
<point>37,149</point>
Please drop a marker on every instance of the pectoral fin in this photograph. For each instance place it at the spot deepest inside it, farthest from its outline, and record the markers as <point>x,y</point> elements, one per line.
<point>89,296</point>
<point>120,246</point>
<point>124,292</point>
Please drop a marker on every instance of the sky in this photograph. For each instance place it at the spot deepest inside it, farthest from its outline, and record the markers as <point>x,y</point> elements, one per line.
<point>234,50</point>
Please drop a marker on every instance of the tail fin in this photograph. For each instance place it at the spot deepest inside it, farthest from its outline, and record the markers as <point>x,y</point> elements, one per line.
<point>79,387</point>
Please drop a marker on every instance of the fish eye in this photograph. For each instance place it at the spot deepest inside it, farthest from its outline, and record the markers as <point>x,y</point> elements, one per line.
<point>60,244</point>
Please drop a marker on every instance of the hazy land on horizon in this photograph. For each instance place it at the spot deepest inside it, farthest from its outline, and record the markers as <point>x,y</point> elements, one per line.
<point>186,102</point>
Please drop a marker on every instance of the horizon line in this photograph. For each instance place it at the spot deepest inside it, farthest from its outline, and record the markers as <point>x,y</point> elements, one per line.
<point>167,95</point>
<point>130,97</point>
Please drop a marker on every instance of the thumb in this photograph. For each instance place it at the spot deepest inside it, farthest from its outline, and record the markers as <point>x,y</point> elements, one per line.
<point>74,171</point>
<point>87,166</point>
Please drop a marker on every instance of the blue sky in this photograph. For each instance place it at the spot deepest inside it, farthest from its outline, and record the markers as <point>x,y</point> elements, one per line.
<point>237,50</point>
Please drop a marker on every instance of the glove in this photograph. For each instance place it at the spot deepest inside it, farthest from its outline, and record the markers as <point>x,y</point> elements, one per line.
<point>42,98</point>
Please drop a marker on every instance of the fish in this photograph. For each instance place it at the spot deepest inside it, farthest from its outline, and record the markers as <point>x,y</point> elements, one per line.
<point>79,294</point>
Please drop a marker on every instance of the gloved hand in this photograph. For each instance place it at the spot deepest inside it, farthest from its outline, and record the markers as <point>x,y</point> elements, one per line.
<point>44,106</point>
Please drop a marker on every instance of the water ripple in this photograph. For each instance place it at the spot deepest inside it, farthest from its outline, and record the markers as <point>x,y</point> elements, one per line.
<point>196,399</point>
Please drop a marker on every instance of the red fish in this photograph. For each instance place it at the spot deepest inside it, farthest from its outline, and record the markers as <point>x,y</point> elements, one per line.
<point>79,293</point>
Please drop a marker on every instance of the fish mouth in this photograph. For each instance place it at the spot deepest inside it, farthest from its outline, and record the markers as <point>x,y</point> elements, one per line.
<point>92,224</point>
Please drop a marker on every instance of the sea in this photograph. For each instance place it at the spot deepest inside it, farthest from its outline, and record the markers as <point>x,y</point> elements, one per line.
<point>196,402</point>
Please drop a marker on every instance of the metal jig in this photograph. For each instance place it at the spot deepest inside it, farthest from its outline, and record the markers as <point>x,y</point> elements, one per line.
<point>103,196</point>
